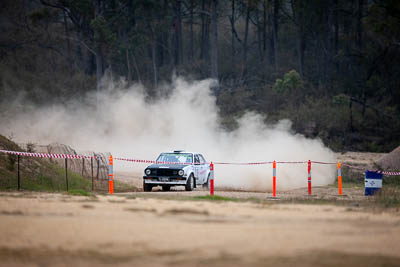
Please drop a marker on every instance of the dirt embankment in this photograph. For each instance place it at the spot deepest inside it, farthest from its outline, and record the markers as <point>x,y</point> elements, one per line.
<point>39,229</point>
<point>391,161</point>
<point>361,159</point>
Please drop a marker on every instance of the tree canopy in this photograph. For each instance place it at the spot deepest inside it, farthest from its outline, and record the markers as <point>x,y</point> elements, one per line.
<point>329,66</point>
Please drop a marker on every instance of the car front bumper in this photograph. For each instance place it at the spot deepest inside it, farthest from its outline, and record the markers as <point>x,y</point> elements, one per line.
<point>164,180</point>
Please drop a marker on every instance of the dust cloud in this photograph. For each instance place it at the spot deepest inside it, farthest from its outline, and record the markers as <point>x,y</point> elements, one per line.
<point>129,125</point>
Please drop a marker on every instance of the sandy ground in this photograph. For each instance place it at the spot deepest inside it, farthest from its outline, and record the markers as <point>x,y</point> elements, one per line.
<point>133,229</point>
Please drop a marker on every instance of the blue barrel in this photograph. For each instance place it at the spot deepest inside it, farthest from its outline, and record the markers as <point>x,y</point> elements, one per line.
<point>373,182</point>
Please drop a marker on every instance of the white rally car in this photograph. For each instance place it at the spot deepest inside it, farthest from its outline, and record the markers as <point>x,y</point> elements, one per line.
<point>177,168</point>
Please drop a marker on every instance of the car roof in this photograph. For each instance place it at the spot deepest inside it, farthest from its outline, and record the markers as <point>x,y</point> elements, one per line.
<point>180,151</point>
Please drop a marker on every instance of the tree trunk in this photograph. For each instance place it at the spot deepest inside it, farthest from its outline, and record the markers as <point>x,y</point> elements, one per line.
<point>191,37</point>
<point>160,49</point>
<point>128,64</point>
<point>205,32</point>
<point>271,50</point>
<point>85,55</point>
<point>275,32</point>
<point>214,43</point>
<point>233,34</point>
<point>246,34</point>
<point>336,31</point>
<point>98,11</point>
<point>330,44</point>
<point>351,115</point>
<point>136,68</point>
<point>178,33</point>
<point>298,8</point>
<point>68,41</point>
<point>153,57</point>
<point>259,34</point>
<point>162,38</point>
<point>301,45</point>
<point>99,66</point>
<point>153,45</point>
<point>264,28</point>
<point>359,24</point>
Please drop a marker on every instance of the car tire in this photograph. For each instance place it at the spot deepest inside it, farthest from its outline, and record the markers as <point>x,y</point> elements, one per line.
<point>190,183</point>
<point>206,185</point>
<point>166,187</point>
<point>147,187</point>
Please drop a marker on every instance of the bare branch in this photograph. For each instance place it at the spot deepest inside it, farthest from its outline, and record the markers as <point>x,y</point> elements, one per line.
<point>81,42</point>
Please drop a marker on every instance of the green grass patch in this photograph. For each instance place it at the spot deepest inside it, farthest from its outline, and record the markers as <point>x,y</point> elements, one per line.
<point>216,198</point>
<point>393,181</point>
<point>352,177</point>
<point>185,197</point>
<point>75,180</point>
<point>39,175</point>
<point>121,187</point>
<point>347,185</point>
<point>80,192</point>
<point>314,201</point>
<point>388,197</point>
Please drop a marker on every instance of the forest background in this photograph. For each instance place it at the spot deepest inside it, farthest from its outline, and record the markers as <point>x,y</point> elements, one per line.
<point>331,66</point>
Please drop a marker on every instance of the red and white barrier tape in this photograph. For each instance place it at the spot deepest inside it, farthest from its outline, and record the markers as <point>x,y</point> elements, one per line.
<point>389,173</point>
<point>47,155</point>
<point>258,163</point>
<point>68,156</point>
<point>326,163</point>
<point>291,162</point>
<point>353,167</point>
<point>243,163</point>
<point>152,161</point>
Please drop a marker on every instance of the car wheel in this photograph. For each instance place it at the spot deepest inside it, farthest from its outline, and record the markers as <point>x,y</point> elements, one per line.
<point>166,187</point>
<point>206,185</point>
<point>190,183</point>
<point>147,187</point>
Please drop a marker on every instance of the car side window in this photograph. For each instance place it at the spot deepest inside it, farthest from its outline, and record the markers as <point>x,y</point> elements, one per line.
<point>196,159</point>
<point>202,160</point>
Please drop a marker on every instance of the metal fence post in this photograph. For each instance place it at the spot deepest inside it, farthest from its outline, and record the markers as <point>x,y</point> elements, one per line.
<point>309,177</point>
<point>66,172</point>
<point>83,166</point>
<point>91,166</point>
<point>19,177</point>
<point>98,169</point>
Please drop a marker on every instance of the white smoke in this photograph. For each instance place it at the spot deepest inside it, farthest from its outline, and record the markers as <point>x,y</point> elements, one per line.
<point>129,125</point>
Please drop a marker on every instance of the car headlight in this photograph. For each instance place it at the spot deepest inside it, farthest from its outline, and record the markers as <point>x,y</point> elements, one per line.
<point>181,172</point>
<point>147,172</point>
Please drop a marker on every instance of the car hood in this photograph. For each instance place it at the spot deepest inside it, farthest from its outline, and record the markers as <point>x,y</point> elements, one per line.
<point>167,166</point>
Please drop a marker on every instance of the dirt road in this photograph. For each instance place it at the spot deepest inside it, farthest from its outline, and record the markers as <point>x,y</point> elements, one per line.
<point>43,229</point>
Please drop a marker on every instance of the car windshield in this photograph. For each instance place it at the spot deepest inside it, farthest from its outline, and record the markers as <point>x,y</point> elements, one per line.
<point>176,157</point>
